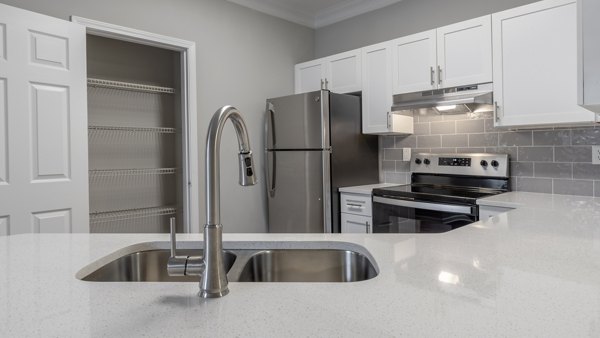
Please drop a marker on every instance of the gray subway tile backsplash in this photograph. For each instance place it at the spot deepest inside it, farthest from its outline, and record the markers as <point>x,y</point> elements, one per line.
<point>552,137</point>
<point>432,141</point>
<point>539,154</point>
<point>470,126</point>
<point>574,187</point>
<point>443,127</point>
<point>516,138</point>
<point>530,184</point>
<point>587,136</point>
<point>552,160</point>
<point>573,154</point>
<point>521,168</point>
<point>586,171</point>
<point>483,140</point>
<point>458,140</point>
<point>553,170</point>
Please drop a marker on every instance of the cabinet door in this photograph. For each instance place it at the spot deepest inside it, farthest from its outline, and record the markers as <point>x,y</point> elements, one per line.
<point>43,124</point>
<point>535,65</point>
<point>344,72</point>
<point>356,224</point>
<point>414,63</point>
<point>464,53</point>
<point>308,76</point>
<point>377,87</point>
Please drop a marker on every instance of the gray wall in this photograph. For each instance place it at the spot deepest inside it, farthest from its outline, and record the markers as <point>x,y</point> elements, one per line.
<point>401,19</point>
<point>554,160</point>
<point>243,57</point>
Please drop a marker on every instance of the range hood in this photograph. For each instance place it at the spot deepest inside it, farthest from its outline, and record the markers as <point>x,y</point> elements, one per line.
<point>456,100</point>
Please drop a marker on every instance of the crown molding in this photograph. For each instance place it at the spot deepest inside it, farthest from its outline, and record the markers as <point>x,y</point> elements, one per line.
<point>327,16</point>
<point>347,10</point>
<point>277,9</point>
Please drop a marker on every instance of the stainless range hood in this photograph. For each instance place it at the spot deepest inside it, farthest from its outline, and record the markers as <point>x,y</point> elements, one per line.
<point>456,100</point>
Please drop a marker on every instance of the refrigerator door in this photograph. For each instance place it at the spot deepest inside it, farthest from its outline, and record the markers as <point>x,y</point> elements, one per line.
<point>298,121</point>
<point>298,191</point>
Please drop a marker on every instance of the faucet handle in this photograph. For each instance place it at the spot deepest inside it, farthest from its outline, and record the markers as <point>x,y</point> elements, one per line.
<point>176,264</point>
<point>173,237</point>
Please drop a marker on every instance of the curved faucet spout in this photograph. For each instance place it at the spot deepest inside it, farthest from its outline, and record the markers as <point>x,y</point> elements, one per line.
<point>212,268</point>
<point>213,144</point>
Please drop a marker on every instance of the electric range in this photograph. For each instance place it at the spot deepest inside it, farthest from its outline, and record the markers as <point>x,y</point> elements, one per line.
<point>443,193</point>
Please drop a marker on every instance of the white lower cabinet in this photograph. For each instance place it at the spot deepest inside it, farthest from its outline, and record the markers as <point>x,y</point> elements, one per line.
<point>356,213</point>
<point>355,224</point>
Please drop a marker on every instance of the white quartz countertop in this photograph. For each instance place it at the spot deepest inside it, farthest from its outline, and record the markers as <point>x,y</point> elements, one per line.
<point>365,189</point>
<point>530,272</point>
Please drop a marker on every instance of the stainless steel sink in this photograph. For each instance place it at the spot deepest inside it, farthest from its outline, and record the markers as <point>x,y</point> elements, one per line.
<point>147,266</point>
<point>271,262</point>
<point>297,265</point>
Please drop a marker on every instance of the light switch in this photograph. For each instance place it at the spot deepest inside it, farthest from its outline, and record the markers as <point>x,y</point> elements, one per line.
<point>406,154</point>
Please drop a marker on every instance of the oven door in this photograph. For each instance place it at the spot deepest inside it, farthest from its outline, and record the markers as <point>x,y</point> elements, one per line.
<point>394,215</point>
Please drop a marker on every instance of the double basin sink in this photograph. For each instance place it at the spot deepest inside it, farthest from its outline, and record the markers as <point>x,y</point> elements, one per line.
<point>277,262</point>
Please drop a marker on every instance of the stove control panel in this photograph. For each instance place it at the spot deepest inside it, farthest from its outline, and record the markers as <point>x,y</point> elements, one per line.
<point>455,161</point>
<point>479,164</point>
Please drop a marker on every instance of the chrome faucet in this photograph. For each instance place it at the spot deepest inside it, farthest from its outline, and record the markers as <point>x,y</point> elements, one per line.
<point>211,267</point>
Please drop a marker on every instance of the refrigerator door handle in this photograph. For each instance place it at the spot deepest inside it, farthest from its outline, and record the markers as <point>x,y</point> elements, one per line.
<point>271,162</point>
<point>270,127</point>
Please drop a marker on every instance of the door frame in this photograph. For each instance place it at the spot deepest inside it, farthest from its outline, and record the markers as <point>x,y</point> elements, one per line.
<point>187,50</point>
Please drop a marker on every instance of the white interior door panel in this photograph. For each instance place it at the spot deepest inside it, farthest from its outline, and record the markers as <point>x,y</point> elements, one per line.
<point>43,124</point>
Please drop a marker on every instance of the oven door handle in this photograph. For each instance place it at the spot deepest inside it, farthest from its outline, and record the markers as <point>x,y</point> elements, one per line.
<point>458,209</point>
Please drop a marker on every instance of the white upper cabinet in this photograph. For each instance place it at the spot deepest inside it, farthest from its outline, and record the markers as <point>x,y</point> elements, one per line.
<point>589,54</point>
<point>340,73</point>
<point>535,65</point>
<point>414,63</point>
<point>344,72</point>
<point>464,53</point>
<point>377,93</point>
<point>309,76</point>
<point>377,87</point>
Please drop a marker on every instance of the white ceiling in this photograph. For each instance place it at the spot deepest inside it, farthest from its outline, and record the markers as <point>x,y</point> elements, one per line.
<point>314,13</point>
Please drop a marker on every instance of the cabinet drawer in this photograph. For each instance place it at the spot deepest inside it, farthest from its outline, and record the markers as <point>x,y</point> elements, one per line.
<point>486,211</point>
<point>356,204</point>
<point>354,224</point>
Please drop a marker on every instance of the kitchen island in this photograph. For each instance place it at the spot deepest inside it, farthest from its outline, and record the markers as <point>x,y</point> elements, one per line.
<point>532,271</point>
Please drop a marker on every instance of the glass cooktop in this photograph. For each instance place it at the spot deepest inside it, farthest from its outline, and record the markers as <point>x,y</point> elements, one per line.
<point>453,194</point>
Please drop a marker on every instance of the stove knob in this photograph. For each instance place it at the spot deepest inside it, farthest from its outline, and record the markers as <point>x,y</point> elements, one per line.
<point>484,163</point>
<point>495,164</point>
<point>426,161</point>
<point>418,161</point>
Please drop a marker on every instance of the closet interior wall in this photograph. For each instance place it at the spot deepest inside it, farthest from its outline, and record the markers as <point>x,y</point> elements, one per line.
<point>135,139</point>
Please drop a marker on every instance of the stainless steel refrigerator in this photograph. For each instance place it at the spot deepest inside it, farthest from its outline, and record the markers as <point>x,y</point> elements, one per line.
<point>314,145</point>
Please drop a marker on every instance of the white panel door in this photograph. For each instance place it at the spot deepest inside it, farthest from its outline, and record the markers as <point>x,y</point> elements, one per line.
<point>355,224</point>
<point>309,76</point>
<point>43,124</point>
<point>414,63</point>
<point>464,53</point>
<point>344,72</point>
<point>377,87</point>
<point>535,65</point>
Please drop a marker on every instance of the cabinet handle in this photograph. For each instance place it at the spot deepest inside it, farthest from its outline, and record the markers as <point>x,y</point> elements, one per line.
<point>357,206</point>
<point>439,74</point>
<point>389,123</point>
<point>432,75</point>
<point>326,84</point>
<point>496,113</point>
<point>367,226</point>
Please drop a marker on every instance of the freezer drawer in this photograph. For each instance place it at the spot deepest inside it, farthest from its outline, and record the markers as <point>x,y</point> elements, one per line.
<point>298,121</point>
<point>298,193</point>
